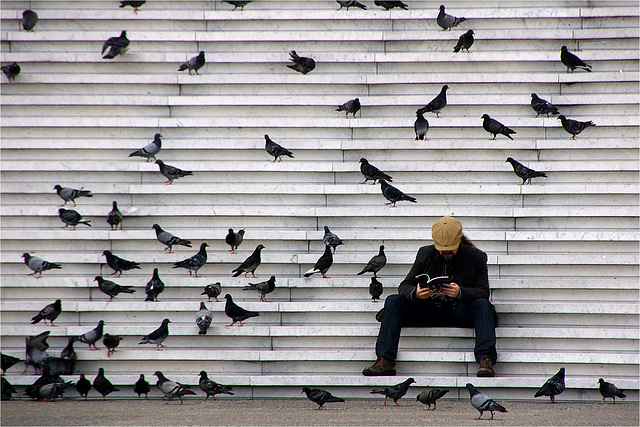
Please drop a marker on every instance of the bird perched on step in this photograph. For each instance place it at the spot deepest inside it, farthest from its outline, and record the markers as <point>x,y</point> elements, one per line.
<point>263,288</point>
<point>446,21</point>
<point>319,396</point>
<point>276,150</point>
<point>172,389</point>
<point>7,390</point>
<point>574,127</point>
<point>376,263</point>
<point>195,262</point>
<point>51,391</point>
<point>237,313</point>
<point>212,290</point>
<point>102,385</point>
<point>391,4</point>
<point>49,312</point>
<point>141,387</point>
<point>437,104</point>
<point>70,194</point>
<point>135,4</point>
<point>114,218</point>
<point>609,390</point>
<point>495,127</point>
<point>375,289</point>
<point>234,239</point>
<point>250,264</point>
<point>331,239</point>
<point>154,287</point>
<point>482,402</point>
<point>92,336</point>
<point>395,392</point>
<point>371,172</point>
<point>464,42</point>
<point>7,361</point>
<point>542,106</point>
<point>237,3</point>
<point>117,45</point>
<point>350,3</point>
<point>111,342</point>
<point>69,357</point>
<point>47,377</point>
<point>112,288</point>
<point>430,397</point>
<point>203,319</point>
<point>393,195</point>
<point>421,126</point>
<point>524,172</point>
<point>83,386</point>
<point>118,265</point>
<point>29,19</point>
<point>150,150</point>
<point>72,218</point>
<point>169,239</point>
<point>553,386</point>
<point>301,64</point>
<point>38,265</point>
<point>11,71</point>
<point>572,62</point>
<point>158,336</point>
<point>171,172</point>
<point>352,106</point>
<point>322,265</point>
<point>211,388</point>
<point>194,63</point>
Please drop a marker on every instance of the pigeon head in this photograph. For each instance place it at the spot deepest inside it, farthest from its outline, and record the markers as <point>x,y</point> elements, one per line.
<point>445,87</point>
<point>364,161</point>
<point>166,322</point>
<point>106,253</point>
<point>58,187</point>
<point>202,246</point>
<point>159,374</point>
<point>202,307</point>
<point>441,8</point>
<point>260,247</point>
<point>26,256</point>
<point>159,162</point>
<point>97,278</point>
<point>228,297</point>
<point>534,96</point>
<point>231,230</point>
<point>306,390</point>
<point>156,227</point>
<point>510,160</point>
<point>123,33</point>
<point>100,371</point>
<point>563,48</point>
<point>61,211</point>
<point>203,374</point>
<point>470,32</point>
<point>471,388</point>
<point>561,117</point>
<point>241,232</point>
<point>485,117</point>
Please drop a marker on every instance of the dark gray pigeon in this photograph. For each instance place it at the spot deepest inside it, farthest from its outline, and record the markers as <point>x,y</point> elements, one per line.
<point>114,218</point>
<point>69,357</point>
<point>237,313</point>
<point>135,4</point>
<point>301,64</point>
<point>11,71</point>
<point>250,264</point>
<point>263,288</point>
<point>150,150</point>
<point>572,62</point>
<point>51,391</point>
<point>375,289</point>
<point>38,265</point>
<point>154,287</point>
<point>331,239</point>
<point>275,149</point>
<point>609,390</point>
<point>116,45</point>
<point>391,4</point>
<point>376,263</point>
<point>212,290</point>
<point>371,172</point>
<point>195,262</point>
<point>8,361</point>
<point>319,396</point>
<point>92,336</point>
<point>574,127</point>
<point>47,377</point>
<point>393,195</point>
<point>169,239</point>
<point>464,42</point>
<point>171,389</point>
<point>203,319</point>
<point>350,3</point>
<point>171,172</point>
<point>352,106</point>
<point>118,265</point>
<point>552,387</point>
<point>322,265</point>
<point>50,313</point>
<point>524,172</point>
<point>234,239</point>
<point>429,397</point>
<point>142,387</point>
<point>194,63</point>
<point>103,385</point>
<point>112,288</point>
<point>211,388</point>
<point>72,218</point>
<point>438,103</point>
<point>29,19</point>
<point>237,3</point>
<point>158,336</point>
<point>495,127</point>
<point>7,390</point>
<point>111,342</point>
<point>83,386</point>
<point>70,194</point>
<point>482,402</point>
<point>395,392</point>
<point>541,106</point>
<point>421,126</point>
<point>446,21</point>
<point>36,352</point>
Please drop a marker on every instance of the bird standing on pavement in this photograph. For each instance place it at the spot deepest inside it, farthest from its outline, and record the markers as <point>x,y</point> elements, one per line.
<point>141,387</point>
<point>263,288</point>
<point>114,218</point>
<point>376,263</point>
<point>72,218</point>
<point>542,106</point>
<point>112,288</point>
<point>118,265</point>
<point>49,312</point>
<point>212,290</point>
<point>250,264</point>
<point>375,289</point>
<point>38,265</point>
<point>482,402</point>
<point>154,287</point>
<point>446,21</point>
<point>322,265</point>
<point>275,149</point>
<point>352,106</point>
<point>437,104</point>
<point>111,342</point>
<point>371,172</point>
<point>169,239</point>
<point>195,262</point>
<point>83,386</point>
<point>102,385</point>
<point>301,64</point>
<point>609,390</point>
<point>150,150</point>
<point>203,319</point>
<point>92,336</point>
<point>395,392</point>
<point>158,336</point>
<point>117,45</point>
<point>421,126</point>
<point>194,63</point>
<point>234,239</point>
<point>464,42</point>
<point>237,313</point>
<point>320,396</point>
<point>524,172</point>
<point>429,397</point>
<point>572,62</point>
<point>172,389</point>
<point>574,127</point>
<point>71,194</point>
<point>393,195</point>
<point>553,386</point>
<point>171,172</point>
<point>211,388</point>
<point>495,127</point>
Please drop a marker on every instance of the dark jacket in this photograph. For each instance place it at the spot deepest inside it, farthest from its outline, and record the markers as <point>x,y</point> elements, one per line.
<point>468,269</point>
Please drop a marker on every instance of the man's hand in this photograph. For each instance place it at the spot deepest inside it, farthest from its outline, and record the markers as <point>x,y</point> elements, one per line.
<point>450,289</point>
<point>424,293</point>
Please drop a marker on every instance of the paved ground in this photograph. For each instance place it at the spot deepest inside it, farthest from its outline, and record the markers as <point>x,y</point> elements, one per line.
<point>302,412</point>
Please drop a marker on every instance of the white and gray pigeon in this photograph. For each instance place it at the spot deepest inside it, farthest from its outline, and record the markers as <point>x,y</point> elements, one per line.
<point>553,386</point>
<point>91,337</point>
<point>158,336</point>
<point>301,64</point>
<point>72,218</point>
<point>211,388</point>
<point>437,104</point>
<point>574,127</point>
<point>393,195</point>
<point>71,194</point>
<point>446,21</point>
<point>135,4</point>
<point>376,263</point>
<point>234,239</point>
<point>322,265</point>
<point>50,312</point>
<point>421,126</point>
<point>212,290</point>
<point>237,3</point>
<point>114,218</point>
<point>464,42</point>
<point>150,150</point>
<point>38,265</point>
<point>11,71</point>
<point>250,264</point>
<point>172,389</point>
<point>169,239</point>
<point>203,319</point>
<point>275,149</point>
<point>524,172</point>
<point>350,3</point>
<point>112,288</point>
<point>263,288</point>
<point>352,106</point>
<point>118,265</point>
<point>171,172</point>
<point>482,402</point>
<point>194,63</point>
<point>609,390</point>
<point>371,172</point>
<point>195,262</point>
<point>154,287</point>
<point>542,106</point>
<point>572,62</point>
<point>29,19</point>
<point>331,239</point>
<point>495,127</point>
<point>116,45</point>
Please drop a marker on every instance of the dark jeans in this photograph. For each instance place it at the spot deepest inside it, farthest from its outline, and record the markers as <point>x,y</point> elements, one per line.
<point>399,312</point>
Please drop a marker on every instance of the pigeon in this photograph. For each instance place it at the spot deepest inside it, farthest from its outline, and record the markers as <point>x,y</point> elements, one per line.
<point>301,64</point>
<point>111,342</point>
<point>150,150</point>
<point>154,287</point>
<point>322,265</point>
<point>438,103</point>
<point>524,172</point>
<point>250,264</point>
<point>171,389</point>
<point>446,21</point>
<point>234,239</point>
<point>352,106</point>
<point>194,63</point>
<point>421,126</point>
<point>169,239</point>
<point>482,402</point>
<point>237,313</point>
<point>371,172</point>
<point>211,388</point>
<point>350,3</point>
<point>395,392</point>
<point>135,4</point>
<point>572,62</point>
<point>8,361</point>
<point>11,71</point>
<point>393,195</point>
<point>83,386</point>
<point>609,390</point>
<point>103,385</point>
<point>47,377</point>
<point>495,127</point>
<point>319,396</point>
<point>390,4</point>
<point>158,336</point>
<point>71,218</point>
<point>142,387</point>
<point>429,397</point>
<point>50,391</point>
<point>114,218</point>
<point>376,263</point>
<point>263,288</point>
<point>29,19</point>
<point>375,289</point>
<point>38,265</point>
<point>330,239</point>
<point>7,390</point>
<point>70,194</point>
<point>574,127</point>
<point>464,42</point>
<point>117,45</point>
<point>237,3</point>
<point>553,387</point>
<point>50,313</point>
<point>276,150</point>
<point>112,288</point>
<point>36,352</point>
<point>541,106</point>
<point>195,262</point>
<point>203,319</point>
<point>212,291</point>
<point>118,265</point>
<point>171,172</point>
<point>92,336</point>
<point>69,357</point>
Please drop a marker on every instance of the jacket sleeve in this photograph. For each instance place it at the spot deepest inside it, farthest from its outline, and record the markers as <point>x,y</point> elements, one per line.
<point>479,289</point>
<point>408,286</point>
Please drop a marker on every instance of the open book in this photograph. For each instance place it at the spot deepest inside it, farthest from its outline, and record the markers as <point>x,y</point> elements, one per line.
<point>424,281</point>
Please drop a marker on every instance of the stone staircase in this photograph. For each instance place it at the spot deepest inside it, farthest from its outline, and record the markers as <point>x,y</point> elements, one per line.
<point>563,252</point>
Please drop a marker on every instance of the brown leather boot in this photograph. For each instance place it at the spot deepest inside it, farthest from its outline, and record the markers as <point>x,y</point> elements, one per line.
<point>382,368</point>
<point>485,369</point>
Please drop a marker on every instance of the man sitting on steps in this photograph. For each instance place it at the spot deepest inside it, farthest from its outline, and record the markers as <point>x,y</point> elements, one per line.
<point>462,303</point>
